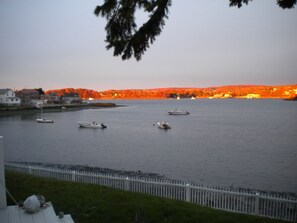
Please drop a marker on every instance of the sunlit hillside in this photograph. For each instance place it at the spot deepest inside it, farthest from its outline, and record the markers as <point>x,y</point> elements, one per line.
<point>233,91</point>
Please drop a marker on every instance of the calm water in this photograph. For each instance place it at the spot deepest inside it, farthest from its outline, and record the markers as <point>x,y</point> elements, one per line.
<point>245,143</point>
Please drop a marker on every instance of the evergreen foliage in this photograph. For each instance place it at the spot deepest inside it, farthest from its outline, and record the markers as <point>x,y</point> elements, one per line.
<point>121,30</point>
<point>122,33</point>
<point>285,4</point>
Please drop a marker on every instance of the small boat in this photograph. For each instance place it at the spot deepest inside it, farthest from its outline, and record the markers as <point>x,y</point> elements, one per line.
<point>178,112</point>
<point>93,125</point>
<point>43,120</point>
<point>163,125</point>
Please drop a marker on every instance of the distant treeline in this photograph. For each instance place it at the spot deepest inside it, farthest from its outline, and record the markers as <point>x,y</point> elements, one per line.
<point>234,91</point>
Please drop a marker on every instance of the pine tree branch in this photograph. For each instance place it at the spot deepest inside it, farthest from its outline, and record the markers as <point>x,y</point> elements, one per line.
<point>122,33</point>
<point>121,30</point>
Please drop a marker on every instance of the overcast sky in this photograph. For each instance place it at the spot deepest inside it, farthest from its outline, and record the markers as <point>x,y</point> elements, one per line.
<point>56,44</point>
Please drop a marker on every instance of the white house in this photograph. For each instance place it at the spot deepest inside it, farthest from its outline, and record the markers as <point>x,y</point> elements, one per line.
<point>8,98</point>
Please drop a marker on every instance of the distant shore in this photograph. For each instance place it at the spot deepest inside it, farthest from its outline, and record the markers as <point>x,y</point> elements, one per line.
<point>227,91</point>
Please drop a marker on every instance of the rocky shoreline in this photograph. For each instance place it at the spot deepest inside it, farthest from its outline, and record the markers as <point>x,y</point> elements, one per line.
<point>106,171</point>
<point>144,175</point>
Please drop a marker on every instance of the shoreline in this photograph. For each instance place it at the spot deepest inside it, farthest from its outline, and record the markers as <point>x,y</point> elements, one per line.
<point>28,110</point>
<point>86,168</point>
<point>144,175</point>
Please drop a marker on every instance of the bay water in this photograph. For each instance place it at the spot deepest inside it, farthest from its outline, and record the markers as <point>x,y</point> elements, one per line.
<point>223,142</point>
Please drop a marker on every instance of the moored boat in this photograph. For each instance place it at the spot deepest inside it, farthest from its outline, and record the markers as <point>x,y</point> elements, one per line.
<point>93,125</point>
<point>163,125</point>
<point>43,120</point>
<point>178,112</point>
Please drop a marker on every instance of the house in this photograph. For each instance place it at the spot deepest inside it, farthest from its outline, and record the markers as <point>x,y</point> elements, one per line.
<point>8,98</point>
<point>70,98</point>
<point>250,96</point>
<point>52,98</point>
<point>28,95</point>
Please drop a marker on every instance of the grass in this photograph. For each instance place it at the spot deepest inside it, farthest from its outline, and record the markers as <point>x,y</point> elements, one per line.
<point>92,203</point>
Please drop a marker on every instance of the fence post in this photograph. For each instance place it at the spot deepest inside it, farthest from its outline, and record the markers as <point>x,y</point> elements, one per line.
<point>188,193</point>
<point>73,176</point>
<point>127,184</point>
<point>3,203</point>
<point>257,203</point>
<point>30,170</point>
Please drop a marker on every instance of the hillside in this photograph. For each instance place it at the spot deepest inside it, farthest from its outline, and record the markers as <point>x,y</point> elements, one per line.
<point>232,91</point>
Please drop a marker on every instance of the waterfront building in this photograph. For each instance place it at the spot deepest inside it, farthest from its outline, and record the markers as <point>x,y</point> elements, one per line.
<point>28,95</point>
<point>8,98</point>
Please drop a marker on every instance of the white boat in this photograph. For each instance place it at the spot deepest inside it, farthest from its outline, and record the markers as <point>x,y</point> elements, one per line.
<point>178,112</point>
<point>43,120</point>
<point>93,125</point>
<point>163,125</point>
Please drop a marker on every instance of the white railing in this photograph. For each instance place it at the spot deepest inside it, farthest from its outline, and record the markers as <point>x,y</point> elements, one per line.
<point>236,200</point>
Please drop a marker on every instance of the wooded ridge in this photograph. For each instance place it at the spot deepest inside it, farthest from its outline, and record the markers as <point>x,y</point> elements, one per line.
<point>231,91</point>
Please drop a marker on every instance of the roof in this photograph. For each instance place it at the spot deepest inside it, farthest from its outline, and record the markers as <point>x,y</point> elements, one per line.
<point>29,91</point>
<point>4,91</point>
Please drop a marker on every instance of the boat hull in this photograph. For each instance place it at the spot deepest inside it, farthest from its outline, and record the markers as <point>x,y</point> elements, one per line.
<point>91,125</point>
<point>177,112</point>
<point>163,125</point>
<point>42,120</point>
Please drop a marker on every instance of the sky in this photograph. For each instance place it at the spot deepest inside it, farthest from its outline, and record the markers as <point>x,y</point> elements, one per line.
<point>56,44</point>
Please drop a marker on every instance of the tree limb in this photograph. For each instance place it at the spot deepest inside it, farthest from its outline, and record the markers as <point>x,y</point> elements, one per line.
<point>121,30</point>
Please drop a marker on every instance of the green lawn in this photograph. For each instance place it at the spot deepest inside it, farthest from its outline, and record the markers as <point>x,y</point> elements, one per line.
<point>92,203</point>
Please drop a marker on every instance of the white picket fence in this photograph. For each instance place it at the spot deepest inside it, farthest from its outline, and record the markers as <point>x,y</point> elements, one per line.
<point>277,206</point>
